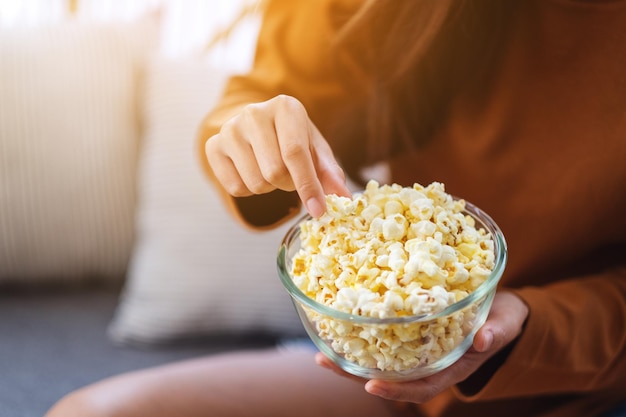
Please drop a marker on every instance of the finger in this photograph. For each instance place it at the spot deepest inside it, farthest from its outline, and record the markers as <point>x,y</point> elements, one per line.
<point>235,143</point>
<point>503,325</point>
<point>224,170</point>
<point>414,391</point>
<point>425,389</point>
<point>263,139</point>
<point>295,147</point>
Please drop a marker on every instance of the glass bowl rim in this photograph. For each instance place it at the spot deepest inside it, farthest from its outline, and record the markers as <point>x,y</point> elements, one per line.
<point>500,249</point>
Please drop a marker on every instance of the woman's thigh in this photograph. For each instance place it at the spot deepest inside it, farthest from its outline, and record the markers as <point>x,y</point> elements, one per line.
<point>261,383</point>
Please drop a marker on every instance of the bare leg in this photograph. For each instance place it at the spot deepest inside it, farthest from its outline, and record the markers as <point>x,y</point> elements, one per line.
<point>262,383</point>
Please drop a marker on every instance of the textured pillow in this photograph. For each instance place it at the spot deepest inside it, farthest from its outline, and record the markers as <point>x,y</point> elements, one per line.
<point>68,149</point>
<point>195,270</point>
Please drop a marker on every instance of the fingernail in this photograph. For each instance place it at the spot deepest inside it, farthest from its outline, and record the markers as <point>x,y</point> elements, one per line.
<point>314,208</point>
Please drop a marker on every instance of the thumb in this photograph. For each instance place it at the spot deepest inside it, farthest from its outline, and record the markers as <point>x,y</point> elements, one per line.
<point>483,341</point>
<point>329,172</point>
<point>504,323</point>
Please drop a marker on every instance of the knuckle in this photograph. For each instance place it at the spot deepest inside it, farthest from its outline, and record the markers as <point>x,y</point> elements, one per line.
<point>236,188</point>
<point>230,127</point>
<point>419,393</point>
<point>275,173</point>
<point>211,145</point>
<point>253,111</point>
<point>338,171</point>
<point>307,188</point>
<point>293,149</point>
<point>259,186</point>
<point>428,393</point>
<point>286,102</point>
<point>333,171</point>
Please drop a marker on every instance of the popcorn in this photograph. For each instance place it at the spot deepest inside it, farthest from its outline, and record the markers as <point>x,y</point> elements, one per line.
<point>390,252</point>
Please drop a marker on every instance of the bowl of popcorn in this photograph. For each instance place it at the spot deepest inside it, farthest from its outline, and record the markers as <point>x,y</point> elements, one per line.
<point>394,282</point>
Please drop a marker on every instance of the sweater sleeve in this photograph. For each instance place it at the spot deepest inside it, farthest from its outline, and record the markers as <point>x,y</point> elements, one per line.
<point>293,57</point>
<point>574,341</point>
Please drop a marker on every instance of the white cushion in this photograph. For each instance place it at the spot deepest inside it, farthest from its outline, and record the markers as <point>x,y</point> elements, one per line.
<point>69,134</point>
<point>195,270</point>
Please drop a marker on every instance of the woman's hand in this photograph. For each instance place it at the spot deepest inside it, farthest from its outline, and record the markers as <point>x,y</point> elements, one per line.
<point>506,319</point>
<point>274,145</point>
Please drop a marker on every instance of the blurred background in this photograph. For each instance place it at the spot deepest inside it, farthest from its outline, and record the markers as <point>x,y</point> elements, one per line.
<point>116,253</point>
<point>221,31</point>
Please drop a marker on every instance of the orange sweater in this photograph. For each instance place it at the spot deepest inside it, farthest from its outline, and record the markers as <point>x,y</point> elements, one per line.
<point>543,151</point>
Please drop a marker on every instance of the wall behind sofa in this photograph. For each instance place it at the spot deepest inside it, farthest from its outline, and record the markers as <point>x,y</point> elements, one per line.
<point>187,26</point>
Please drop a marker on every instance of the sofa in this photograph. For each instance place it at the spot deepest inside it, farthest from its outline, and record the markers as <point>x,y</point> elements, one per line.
<point>115,251</point>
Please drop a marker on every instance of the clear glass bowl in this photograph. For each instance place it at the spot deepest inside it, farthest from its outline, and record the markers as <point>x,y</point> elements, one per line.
<point>428,342</point>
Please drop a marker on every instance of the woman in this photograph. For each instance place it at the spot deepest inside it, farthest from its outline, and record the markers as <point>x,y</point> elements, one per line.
<point>518,107</point>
